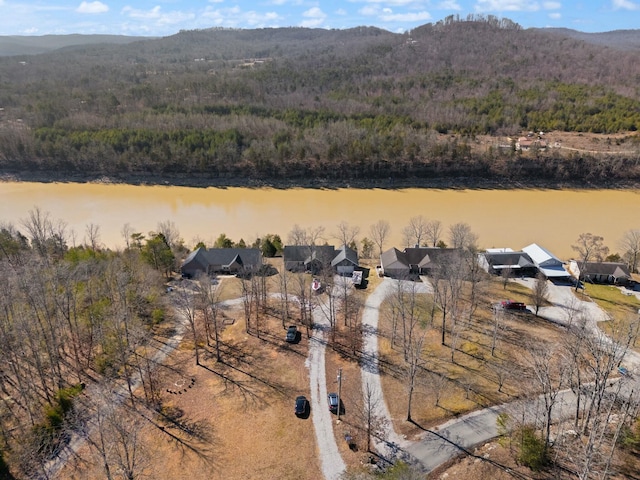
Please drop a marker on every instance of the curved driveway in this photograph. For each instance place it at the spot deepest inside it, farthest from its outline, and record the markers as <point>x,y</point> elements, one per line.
<point>457,436</point>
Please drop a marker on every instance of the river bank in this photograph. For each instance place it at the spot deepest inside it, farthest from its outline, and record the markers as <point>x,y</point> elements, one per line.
<point>200,181</point>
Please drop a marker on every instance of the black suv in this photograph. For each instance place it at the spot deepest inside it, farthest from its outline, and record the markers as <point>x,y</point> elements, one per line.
<point>301,405</point>
<point>292,333</point>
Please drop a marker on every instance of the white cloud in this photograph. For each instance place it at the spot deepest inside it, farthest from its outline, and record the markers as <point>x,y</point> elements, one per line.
<point>234,17</point>
<point>552,5</point>
<point>393,2</point>
<point>555,16</point>
<point>449,5</point>
<point>152,14</point>
<point>405,17</point>
<point>341,11</point>
<point>92,7</point>
<point>156,14</point>
<point>279,3</point>
<point>625,5</point>
<point>314,17</point>
<point>369,11</point>
<point>506,6</point>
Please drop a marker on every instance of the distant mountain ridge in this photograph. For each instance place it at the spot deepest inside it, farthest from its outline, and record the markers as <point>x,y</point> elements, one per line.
<point>12,45</point>
<point>293,104</point>
<point>619,39</point>
<point>32,45</point>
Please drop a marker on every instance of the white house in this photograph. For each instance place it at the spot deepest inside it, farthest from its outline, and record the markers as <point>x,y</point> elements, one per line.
<point>548,264</point>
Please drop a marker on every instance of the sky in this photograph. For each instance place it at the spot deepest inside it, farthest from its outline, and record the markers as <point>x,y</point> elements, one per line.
<point>166,17</point>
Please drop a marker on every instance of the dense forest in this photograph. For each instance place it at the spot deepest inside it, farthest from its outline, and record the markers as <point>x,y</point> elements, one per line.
<point>296,105</point>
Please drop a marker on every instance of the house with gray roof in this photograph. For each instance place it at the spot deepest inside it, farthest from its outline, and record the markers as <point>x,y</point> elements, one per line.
<point>221,261</point>
<point>308,258</point>
<point>614,273</point>
<point>345,261</point>
<point>496,261</point>
<point>414,261</point>
<point>548,264</point>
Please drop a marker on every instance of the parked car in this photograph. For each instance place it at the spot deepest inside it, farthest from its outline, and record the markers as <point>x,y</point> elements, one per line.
<point>292,333</point>
<point>511,305</point>
<point>302,404</point>
<point>334,402</point>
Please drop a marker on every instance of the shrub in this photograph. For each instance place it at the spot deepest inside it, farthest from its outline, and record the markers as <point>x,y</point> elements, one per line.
<point>533,451</point>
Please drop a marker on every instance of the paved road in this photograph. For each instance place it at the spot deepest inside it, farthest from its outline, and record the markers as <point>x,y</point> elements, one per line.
<point>460,435</point>
<point>332,464</point>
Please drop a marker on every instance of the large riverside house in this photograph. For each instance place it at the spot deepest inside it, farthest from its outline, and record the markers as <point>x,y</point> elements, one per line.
<point>221,261</point>
<point>500,260</point>
<point>308,258</point>
<point>414,261</point>
<point>546,262</point>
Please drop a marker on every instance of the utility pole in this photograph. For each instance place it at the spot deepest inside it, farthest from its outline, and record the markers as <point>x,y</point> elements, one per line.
<point>339,390</point>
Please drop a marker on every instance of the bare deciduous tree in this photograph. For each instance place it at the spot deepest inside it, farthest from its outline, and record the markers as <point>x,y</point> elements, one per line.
<point>414,364</point>
<point>171,233</point>
<point>461,236</point>
<point>589,247</point>
<point>117,440</point>
<point>93,236</point>
<point>539,292</point>
<point>630,246</point>
<point>433,232</point>
<point>551,376</point>
<point>186,305</point>
<point>367,413</point>
<point>347,234</point>
<point>505,275</point>
<point>379,232</point>
<point>414,233</point>
<point>208,292</point>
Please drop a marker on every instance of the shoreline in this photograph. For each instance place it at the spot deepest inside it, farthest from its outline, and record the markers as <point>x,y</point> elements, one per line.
<point>191,181</point>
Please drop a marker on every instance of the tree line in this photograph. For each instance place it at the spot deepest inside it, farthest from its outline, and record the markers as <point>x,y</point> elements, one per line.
<point>314,109</point>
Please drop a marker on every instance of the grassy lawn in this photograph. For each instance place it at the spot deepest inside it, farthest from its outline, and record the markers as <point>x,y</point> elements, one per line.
<point>623,309</point>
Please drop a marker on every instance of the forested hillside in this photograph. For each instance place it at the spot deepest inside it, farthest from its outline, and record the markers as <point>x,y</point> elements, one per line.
<point>292,105</point>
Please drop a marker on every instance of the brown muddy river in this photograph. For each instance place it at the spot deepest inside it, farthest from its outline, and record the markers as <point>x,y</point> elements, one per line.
<point>500,218</point>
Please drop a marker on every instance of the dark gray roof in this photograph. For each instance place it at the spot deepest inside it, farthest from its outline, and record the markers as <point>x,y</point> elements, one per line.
<point>345,253</point>
<point>393,255</point>
<point>509,259</point>
<point>421,256</point>
<point>614,269</point>
<point>424,256</point>
<point>248,257</point>
<point>306,253</point>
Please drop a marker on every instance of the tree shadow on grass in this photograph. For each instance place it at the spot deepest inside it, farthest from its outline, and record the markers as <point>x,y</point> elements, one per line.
<point>465,451</point>
<point>190,437</point>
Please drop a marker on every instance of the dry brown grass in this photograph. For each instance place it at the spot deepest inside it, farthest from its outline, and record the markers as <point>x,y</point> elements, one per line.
<point>470,382</point>
<point>241,409</point>
<point>234,419</point>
